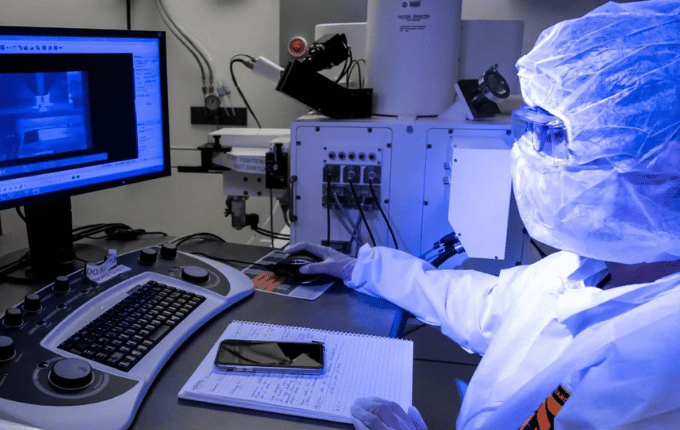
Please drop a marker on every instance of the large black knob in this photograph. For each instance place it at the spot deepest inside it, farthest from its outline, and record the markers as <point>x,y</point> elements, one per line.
<point>6,348</point>
<point>32,303</point>
<point>195,274</point>
<point>148,256</point>
<point>61,284</point>
<point>169,251</point>
<point>13,317</point>
<point>71,374</point>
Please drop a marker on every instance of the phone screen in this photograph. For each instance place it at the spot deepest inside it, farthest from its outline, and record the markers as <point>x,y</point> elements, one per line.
<point>271,356</point>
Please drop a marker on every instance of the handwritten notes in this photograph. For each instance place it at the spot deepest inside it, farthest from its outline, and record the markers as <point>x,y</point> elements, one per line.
<point>356,366</point>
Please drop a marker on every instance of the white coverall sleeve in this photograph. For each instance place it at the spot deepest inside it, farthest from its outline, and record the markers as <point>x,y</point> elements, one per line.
<point>468,305</point>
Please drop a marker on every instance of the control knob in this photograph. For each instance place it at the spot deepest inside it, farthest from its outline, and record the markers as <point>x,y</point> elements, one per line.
<point>61,284</point>
<point>13,317</point>
<point>32,303</point>
<point>71,374</point>
<point>169,251</point>
<point>6,348</point>
<point>148,256</point>
<point>195,274</point>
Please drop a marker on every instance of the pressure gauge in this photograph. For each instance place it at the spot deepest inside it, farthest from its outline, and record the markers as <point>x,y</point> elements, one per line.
<point>212,102</point>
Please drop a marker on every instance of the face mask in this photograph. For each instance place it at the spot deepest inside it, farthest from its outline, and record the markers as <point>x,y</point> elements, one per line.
<point>599,209</point>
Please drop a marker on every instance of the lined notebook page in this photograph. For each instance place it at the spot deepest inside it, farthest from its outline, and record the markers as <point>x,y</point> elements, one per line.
<point>356,366</point>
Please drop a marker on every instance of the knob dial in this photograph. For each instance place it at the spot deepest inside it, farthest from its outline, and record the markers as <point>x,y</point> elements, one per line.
<point>148,256</point>
<point>195,274</point>
<point>7,350</point>
<point>13,317</point>
<point>32,303</point>
<point>61,284</point>
<point>168,251</point>
<point>71,374</point>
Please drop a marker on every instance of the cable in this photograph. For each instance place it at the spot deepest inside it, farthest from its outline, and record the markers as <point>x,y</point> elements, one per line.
<point>361,211</point>
<point>88,231</point>
<point>128,16</point>
<point>273,234</point>
<point>328,211</point>
<point>441,258</point>
<point>349,73</point>
<point>22,262</point>
<point>230,260</point>
<point>197,46</point>
<point>171,26</point>
<point>21,214</point>
<point>345,67</point>
<point>351,230</point>
<point>180,240</point>
<point>271,214</point>
<point>387,222</point>
<point>424,255</point>
<point>284,214</point>
<point>235,59</point>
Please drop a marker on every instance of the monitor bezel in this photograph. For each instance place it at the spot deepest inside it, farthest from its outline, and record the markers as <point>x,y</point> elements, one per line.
<point>102,33</point>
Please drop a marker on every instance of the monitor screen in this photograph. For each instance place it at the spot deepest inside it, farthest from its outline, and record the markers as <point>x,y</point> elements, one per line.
<point>80,110</point>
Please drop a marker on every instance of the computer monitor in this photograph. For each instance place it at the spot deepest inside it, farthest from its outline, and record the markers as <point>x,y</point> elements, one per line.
<point>80,110</point>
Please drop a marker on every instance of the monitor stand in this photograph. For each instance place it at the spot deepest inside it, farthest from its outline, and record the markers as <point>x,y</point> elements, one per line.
<point>52,252</point>
<point>49,226</point>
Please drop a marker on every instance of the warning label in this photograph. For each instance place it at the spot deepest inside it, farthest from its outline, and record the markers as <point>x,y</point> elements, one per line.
<point>413,22</point>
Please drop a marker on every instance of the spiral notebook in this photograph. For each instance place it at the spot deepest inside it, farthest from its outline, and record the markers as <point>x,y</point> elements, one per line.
<point>356,366</point>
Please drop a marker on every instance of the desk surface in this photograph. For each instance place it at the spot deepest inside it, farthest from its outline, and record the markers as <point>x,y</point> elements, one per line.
<point>339,309</point>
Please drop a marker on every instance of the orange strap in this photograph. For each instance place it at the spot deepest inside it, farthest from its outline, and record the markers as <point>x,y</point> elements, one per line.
<point>544,417</point>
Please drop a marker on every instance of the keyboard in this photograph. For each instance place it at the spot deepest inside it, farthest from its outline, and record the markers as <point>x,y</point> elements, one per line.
<point>121,336</point>
<point>82,355</point>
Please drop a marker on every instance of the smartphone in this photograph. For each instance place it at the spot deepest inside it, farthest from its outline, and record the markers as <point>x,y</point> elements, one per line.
<point>271,356</point>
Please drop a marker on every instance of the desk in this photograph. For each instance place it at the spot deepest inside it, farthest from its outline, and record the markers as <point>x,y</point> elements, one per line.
<point>339,309</point>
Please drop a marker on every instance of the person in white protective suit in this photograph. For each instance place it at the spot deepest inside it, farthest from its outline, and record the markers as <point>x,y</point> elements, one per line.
<point>588,337</point>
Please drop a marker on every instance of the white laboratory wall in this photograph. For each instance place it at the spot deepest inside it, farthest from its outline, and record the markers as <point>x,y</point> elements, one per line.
<point>537,14</point>
<point>188,203</point>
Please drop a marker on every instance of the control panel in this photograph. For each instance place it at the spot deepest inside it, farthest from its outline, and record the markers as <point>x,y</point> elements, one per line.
<point>78,354</point>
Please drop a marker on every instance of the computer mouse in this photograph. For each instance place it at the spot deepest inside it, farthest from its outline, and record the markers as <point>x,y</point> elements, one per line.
<point>290,266</point>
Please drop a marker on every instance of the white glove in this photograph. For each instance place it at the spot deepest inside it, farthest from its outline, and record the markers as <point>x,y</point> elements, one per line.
<point>373,413</point>
<point>334,263</point>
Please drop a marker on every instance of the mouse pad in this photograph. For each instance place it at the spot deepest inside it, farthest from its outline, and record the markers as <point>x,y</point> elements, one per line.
<point>267,281</point>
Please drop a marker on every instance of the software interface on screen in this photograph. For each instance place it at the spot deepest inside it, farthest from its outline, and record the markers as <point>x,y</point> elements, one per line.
<point>76,112</point>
